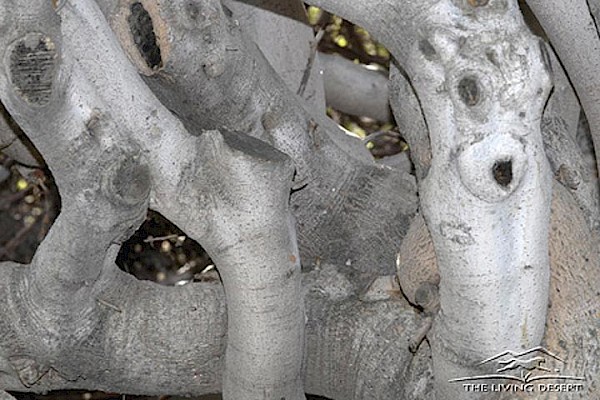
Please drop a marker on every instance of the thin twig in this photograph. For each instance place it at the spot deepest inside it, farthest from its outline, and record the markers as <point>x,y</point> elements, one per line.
<point>46,222</point>
<point>8,200</point>
<point>311,60</point>
<point>151,239</point>
<point>7,145</point>
<point>108,305</point>
<point>15,241</point>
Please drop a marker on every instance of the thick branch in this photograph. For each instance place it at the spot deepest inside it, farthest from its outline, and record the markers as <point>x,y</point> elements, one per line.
<point>395,33</point>
<point>102,200</point>
<point>156,340</point>
<point>478,118</point>
<point>282,33</point>
<point>355,89</point>
<point>251,237</point>
<point>256,185</point>
<point>575,37</point>
<point>483,95</point>
<point>574,279</point>
<point>339,189</point>
<point>559,131</point>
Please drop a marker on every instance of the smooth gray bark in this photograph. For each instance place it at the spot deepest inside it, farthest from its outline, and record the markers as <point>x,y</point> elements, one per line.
<point>144,344</point>
<point>126,151</point>
<point>280,30</point>
<point>355,89</point>
<point>482,81</point>
<point>573,32</point>
<point>81,111</point>
<point>348,208</point>
<point>572,321</point>
<point>491,233</point>
<point>475,84</point>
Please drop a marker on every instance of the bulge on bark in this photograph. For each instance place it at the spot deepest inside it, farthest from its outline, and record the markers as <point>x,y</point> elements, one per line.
<point>127,181</point>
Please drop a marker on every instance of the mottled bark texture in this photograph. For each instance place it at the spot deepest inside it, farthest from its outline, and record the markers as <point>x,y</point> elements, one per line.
<point>348,209</point>
<point>73,320</point>
<point>153,340</point>
<point>573,32</point>
<point>572,322</point>
<point>173,106</point>
<point>490,173</point>
<point>355,89</point>
<point>482,81</point>
<point>73,107</point>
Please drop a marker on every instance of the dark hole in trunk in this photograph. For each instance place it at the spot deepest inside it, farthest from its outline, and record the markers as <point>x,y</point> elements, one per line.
<point>144,37</point>
<point>161,252</point>
<point>502,171</point>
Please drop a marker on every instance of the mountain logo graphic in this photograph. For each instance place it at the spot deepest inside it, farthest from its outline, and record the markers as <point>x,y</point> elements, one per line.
<point>526,366</point>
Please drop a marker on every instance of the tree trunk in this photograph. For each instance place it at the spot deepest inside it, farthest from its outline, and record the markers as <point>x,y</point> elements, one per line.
<point>196,110</point>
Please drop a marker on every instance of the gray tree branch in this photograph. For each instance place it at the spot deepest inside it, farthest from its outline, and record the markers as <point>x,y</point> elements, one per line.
<point>154,340</point>
<point>574,35</point>
<point>227,83</point>
<point>355,89</point>
<point>281,31</point>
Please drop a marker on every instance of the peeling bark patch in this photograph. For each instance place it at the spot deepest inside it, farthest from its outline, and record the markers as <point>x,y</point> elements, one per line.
<point>458,233</point>
<point>32,66</point>
<point>502,171</point>
<point>468,91</point>
<point>140,24</point>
